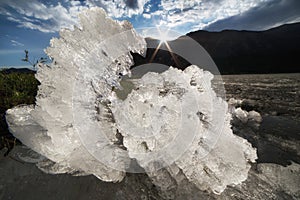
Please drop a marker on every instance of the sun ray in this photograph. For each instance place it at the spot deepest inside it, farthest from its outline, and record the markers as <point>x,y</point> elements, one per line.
<point>155,52</point>
<point>164,36</point>
<point>172,54</point>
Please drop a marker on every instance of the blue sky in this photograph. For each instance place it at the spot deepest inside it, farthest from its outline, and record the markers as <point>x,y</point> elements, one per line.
<point>30,24</point>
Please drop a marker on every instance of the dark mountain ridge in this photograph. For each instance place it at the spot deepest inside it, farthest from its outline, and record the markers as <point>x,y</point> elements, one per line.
<point>16,70</point>
<point>276,50</point>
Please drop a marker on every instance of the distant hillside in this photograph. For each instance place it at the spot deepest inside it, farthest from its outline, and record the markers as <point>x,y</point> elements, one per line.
<point>16,70</point>
<point>273,51</point>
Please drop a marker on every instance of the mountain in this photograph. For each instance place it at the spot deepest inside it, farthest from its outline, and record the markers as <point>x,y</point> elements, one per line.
<point>237,52</point>
<point>16,70</point>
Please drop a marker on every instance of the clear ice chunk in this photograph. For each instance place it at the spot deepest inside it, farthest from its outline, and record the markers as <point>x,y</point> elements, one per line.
<point>176,119</point>
<point>172,123</point>
<point>71,115</point>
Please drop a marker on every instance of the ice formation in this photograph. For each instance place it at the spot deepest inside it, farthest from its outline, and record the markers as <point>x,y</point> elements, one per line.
<point>86,65</point>
<point>252,118</point>
<point>172,124</point>
<point>185,126</point>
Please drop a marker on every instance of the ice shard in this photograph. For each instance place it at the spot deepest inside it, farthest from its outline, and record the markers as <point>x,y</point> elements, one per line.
<point>73,96</point>
<point>173,124</point>
<point>175,121</point>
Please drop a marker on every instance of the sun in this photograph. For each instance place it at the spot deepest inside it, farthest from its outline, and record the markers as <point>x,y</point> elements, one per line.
<point>163,35</point>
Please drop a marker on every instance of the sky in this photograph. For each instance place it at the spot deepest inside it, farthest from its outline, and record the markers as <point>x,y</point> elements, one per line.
<point>30,24</point>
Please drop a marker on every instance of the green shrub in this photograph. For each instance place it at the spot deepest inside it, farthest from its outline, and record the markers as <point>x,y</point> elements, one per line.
<point>16,87</point>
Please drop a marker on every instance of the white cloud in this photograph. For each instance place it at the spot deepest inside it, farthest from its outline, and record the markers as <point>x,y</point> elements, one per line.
<point>160,33</point>
<point>14,19</point>
<point>36,15</point>
<point>190,14</point>
<point>33,14</point>
<point>203,13</point>
<point>43,27</point>
<point>147,8</point>
<point>16,43</point>
<point>3,11</point>
<point>146,15</point>
<point>268,15</point>
<point>120,8</point>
